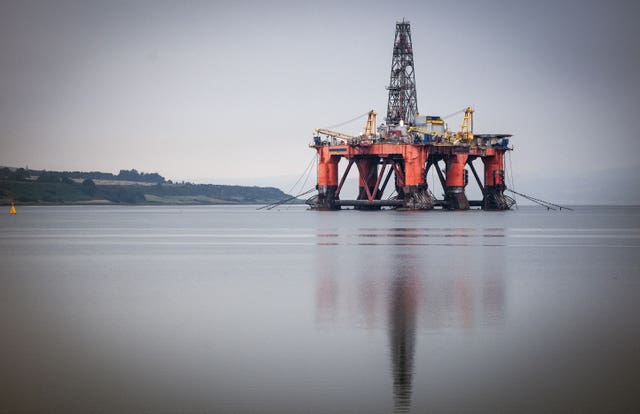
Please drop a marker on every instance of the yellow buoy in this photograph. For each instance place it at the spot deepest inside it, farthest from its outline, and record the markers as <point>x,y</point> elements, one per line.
<point>13,209</point>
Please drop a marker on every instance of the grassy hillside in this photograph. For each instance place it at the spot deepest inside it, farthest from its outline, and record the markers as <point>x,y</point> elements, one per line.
<point>130,187</point>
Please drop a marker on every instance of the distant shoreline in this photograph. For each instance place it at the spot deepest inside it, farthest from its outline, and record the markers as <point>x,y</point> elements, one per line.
<point>129,187</point>
<point>147,204</point>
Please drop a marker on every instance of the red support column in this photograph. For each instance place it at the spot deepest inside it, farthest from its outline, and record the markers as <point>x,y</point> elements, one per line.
<point>327,179</point>
<point>494,170</point>
<point>494,184</point>
<point>415,158</point>
<point>456,180</point>
<point>416,194</point>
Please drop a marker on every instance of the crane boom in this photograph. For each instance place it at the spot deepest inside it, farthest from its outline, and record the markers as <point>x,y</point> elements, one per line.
<point>335,134</point>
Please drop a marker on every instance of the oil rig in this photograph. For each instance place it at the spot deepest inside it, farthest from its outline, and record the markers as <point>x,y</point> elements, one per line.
<point>407,147</point>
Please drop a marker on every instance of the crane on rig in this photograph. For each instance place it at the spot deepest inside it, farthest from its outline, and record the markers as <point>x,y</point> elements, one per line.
<point>466,128</point>
<point>334,134</point>
<point>370,126</point>
<point>369,130</point>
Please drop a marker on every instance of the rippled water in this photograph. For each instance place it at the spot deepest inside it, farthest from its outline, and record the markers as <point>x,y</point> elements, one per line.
<point>229,309</point>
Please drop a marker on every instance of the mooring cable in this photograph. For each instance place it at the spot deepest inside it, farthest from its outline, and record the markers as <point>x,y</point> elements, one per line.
<point>515,199</point>
<point>313,159</point>
<point>543,203</point>
<point>308,171</point>
<point>277,203</point>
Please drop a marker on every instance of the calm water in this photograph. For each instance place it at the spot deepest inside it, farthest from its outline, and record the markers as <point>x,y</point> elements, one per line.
<point>227,309</point>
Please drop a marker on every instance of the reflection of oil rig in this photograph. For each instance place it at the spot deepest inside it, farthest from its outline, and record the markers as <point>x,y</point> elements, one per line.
<point>407,147</point>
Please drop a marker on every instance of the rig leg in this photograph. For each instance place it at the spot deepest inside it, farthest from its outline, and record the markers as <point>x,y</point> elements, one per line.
<point>416,193</point>
<point>327,181</point>
<point>454,195</point>
<point>417,197</point>
<point>326,199</point>
<point>494,185</point>
<point>495,199</point>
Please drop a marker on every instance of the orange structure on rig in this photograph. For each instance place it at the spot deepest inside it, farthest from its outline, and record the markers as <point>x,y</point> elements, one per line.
<point>407,147</point>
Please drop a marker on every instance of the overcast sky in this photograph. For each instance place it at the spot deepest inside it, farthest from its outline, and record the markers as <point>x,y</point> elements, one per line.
<point>226,90</point>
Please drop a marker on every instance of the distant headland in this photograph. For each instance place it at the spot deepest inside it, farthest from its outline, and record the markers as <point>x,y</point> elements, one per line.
<point>28,186</point>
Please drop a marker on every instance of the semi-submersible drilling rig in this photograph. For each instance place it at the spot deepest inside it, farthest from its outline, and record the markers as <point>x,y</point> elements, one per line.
<point>408,146</point>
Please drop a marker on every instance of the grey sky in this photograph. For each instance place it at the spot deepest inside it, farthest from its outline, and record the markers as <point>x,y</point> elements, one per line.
<point>234,89</point>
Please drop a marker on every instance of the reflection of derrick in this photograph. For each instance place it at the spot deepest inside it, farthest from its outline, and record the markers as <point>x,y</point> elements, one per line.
<point>493,301</point>
<point>462,302</point>
<point>367,302</point>
<point>402,332</point>
<point>326,298</point>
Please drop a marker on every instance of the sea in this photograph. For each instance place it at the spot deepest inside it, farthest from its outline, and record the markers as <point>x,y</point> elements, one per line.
<point>231,309</point>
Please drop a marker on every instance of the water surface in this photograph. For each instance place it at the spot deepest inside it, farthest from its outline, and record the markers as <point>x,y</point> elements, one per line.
<point>229,309</point>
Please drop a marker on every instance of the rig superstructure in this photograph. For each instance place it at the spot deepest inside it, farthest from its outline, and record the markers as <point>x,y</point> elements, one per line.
<point>407,147</point>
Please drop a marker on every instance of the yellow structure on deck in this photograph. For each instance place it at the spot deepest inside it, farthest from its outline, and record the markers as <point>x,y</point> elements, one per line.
<point>466,129</point>
<point>370,126</point>
<point>12,210</point>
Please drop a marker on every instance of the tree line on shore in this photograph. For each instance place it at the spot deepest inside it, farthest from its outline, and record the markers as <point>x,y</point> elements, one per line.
<point>39,186</point>
<point>25,174</point>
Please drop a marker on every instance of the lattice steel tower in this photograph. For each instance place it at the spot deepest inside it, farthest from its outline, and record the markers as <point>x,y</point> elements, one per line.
<point>403,103</point>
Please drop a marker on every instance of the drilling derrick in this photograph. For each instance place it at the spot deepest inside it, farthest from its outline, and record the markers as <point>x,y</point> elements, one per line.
<point>403,101</point>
